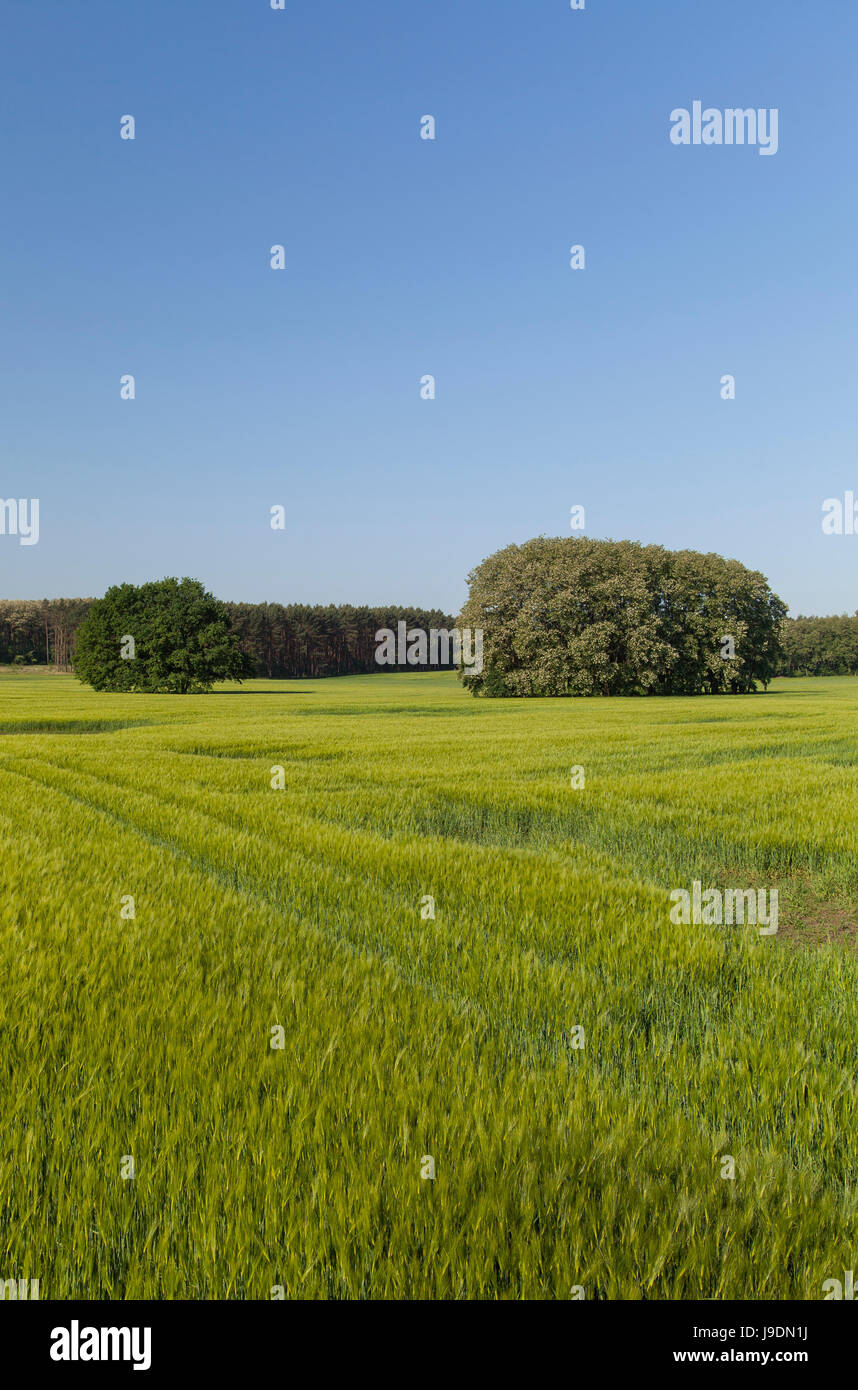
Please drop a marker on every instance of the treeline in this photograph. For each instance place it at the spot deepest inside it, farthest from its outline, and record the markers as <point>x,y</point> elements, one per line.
<point>820,647</point>
<point>284,641</point>
<point>338,640</point>
<point>294,640</point>
<point>40,632</point>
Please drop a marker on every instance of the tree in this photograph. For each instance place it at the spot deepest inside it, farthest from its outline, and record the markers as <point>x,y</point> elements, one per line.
<point>573,616</point>
<point>168,637</point>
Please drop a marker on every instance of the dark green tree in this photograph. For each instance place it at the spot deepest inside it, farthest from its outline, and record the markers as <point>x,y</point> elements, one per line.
<point>167,637</point>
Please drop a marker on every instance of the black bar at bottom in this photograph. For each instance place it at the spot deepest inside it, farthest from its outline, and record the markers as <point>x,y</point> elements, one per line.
<point>158,1340</point>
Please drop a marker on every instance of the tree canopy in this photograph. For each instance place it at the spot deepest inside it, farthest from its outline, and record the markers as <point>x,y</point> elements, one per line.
<point>168,637</point>
<point>574,616</point>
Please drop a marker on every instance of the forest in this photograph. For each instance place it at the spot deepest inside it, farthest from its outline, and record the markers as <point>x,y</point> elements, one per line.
<point>296,640</point>
<point>284,641</point>
<point>820,646</point>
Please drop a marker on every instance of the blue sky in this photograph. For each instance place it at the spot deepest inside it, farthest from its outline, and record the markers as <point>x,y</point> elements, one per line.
<point>406,257</point>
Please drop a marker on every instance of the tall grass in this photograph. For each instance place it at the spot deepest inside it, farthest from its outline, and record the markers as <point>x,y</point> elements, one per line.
<point>556,1166</point>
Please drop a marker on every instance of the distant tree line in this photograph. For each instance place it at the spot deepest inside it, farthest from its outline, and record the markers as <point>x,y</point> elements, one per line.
<point>820,647</point>
<point>40,632</point>
<point>283,641</point>
<point>296,640</point>
<point>335,640</point>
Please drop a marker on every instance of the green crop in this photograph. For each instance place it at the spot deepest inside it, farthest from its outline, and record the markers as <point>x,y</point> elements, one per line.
<point>375,923</point>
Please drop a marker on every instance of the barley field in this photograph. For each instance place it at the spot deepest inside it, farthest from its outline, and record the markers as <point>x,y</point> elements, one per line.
<point>239,1089</point>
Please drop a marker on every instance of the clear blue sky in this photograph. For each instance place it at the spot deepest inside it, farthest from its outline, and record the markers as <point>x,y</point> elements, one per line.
<point>406,257</point>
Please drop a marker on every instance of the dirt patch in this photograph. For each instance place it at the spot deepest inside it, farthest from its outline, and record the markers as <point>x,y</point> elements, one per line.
<point>821,925</point>
<point>817,912</point>
<point>812,912</point>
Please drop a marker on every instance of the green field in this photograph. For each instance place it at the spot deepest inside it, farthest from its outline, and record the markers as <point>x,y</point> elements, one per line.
<point>557,1166</point>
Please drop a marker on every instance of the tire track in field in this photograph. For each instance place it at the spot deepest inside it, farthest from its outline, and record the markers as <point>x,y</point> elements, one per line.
<point>543,1024</point>
<point>518,1039</point>
<point>522,1041</point>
